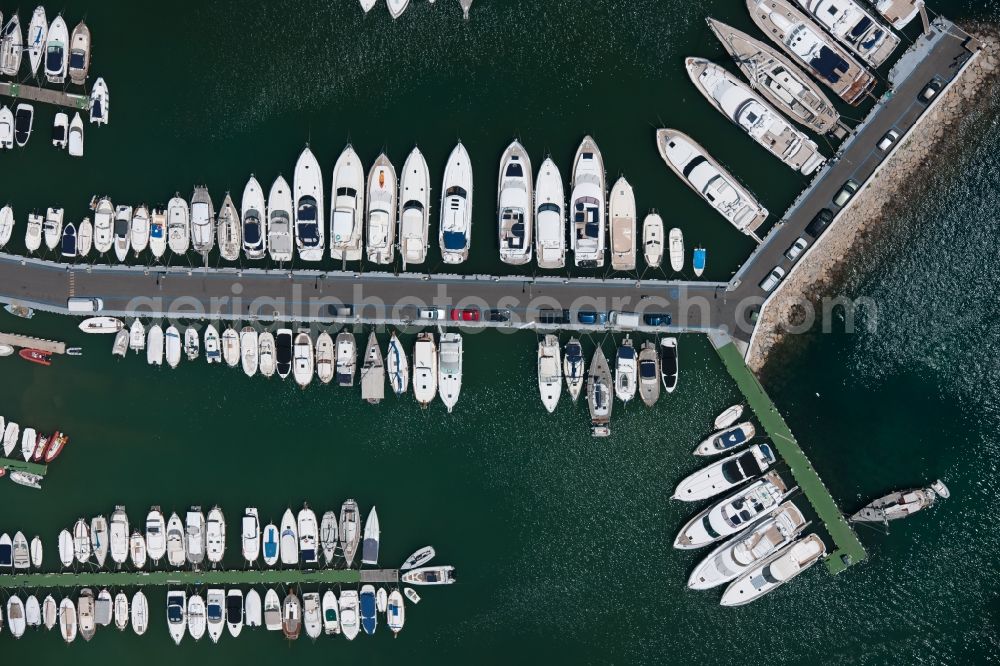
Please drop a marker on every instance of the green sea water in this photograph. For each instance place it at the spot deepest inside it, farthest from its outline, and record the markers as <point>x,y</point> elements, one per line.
<point>562,542</point>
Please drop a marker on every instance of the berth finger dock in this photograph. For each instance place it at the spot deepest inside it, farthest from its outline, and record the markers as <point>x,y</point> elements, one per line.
<point>228,577</point>
<point>59,98</point>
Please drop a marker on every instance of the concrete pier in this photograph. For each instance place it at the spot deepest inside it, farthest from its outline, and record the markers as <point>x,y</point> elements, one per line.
<point>27,342</point>
<point>19,91</point>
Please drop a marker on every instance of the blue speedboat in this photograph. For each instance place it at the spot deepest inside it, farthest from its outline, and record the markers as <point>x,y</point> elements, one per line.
<point>69,241</point>
<point>369,616</point>
<point>270,544</point>
<point>700,255</point>
<point>727,439</point>
<point>7,558</point>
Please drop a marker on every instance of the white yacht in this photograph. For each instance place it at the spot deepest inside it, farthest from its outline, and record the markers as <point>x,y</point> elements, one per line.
<point>12,46</point>
<point>372,537</point>
<point>587,206</point>
<point>250,538</point>
<point>177,614</point>
<point>38,29</point>
<point>231,347</point>
<point>33,232</point>
<point>194,536</point>
<point>372,372</point>
<point>140,613</point>
<point>425,371</point>
<point>122,231</point>
<point>283,352</point>
<point>414,209</point>
<point>154,345</point>
<point>85,237</point>
<point>854,27</point>
<point>302,358</point>
<point>325,357</point>
<point>202,221</point>
<point>156,535</point>
<point>549,377</point>
<point>652,240</point>
<point>6,224</point>
<point>175,541</point>
<point>289,539</point>
<point>100,102</point>
<point>308,533</point>
<point>649,374</point>
<point>254,220</point>
<point>347,206</point>
<point>172,346</point>
<point>158,233</point>
<point>806,43</point>
<point>79,54</point>
<point>56,47</point>
<point>215,535</point>
<point>118,535</point>
<point>450,369</point>
<point>249,348</point>
<point>397,365</point>
<point>733,514</point>
<point>749,111</point>
<point>103,225</point>
<point>625,371</point>
<point>735,557</point>
<point>514,205</point>
<point>178,225</point>
<point>455,234</point>
<point>139,233</point>
<point>213,346</point>
<point>725,474</point>
<point>574,368</point>
<point>622,216</point>
<point>347,359</point>
<point>778,79</point>
<point>349,621</point>
<point>775,571</point>
<point>381,212</point>
<point>52,227</point>
<point>308,184</point>
<point>550,217</point>
<point>676,249</point>
<point>714,184</point>
<point>279,221</point>
<point>599,395</point>
<point>669,368</point>
<point>229,230</point>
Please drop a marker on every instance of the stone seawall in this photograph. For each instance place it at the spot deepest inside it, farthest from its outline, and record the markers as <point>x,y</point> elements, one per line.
<point>817,270</point>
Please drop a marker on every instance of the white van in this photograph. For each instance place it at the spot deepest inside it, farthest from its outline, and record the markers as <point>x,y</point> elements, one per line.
<point>624,320</point>
<point>81,304</point>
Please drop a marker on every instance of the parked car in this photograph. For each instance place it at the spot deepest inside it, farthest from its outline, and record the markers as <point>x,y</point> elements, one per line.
<point>657,319</point>
<point>498,315</point>
<point>846,193</point>
<point>552,316</point>
<point>591,317</point>
<point>464,314</point>
<point>930,91</point>
<point>624,320</point>
<point>890,138</point>
<point>772,279</point>
<point>819,223</point>
<point>797,248</point>
<point>431,313</point>
<point>344,310</point>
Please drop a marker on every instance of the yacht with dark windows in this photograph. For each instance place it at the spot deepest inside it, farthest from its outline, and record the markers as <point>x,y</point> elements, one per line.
<point>308,197</point>
<point>455,235</point>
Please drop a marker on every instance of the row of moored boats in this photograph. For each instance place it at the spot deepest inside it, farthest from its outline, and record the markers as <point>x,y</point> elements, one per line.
<point>34,447</point>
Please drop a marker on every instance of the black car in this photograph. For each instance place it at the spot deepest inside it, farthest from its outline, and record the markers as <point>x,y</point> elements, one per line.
<point>551,316</point>
<point>498,315</point>
<point>657,319</point>
<point>820,223</point>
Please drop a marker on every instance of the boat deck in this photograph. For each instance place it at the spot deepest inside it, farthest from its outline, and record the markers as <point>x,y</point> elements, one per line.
<point>26,342</point>
<point>45,96</point>
<point>12,465</point>
<point>848,549</point>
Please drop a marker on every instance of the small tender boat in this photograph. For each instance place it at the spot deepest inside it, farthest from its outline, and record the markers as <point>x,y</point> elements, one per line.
<point>56,46</point>
<point>901,504</point>
<point>419,558</point>
<point>514,210</point>
<point>380,215</point>
<point>265,343</point>
<point>12,46</point>
<point>52,227</point>
<point>270,545</point>
<point>68,248</point>
<point>372,372</point>
<point>249,349</point>
<point>6,218</point>
<point>350,533</point>
<point>56,444</point>
<point>36,552</point>
<point>175,541</point>
<point>215,536</point>
<point>36,356</point>
<point>734,513</point>
<point>698,261</point>
<point>85,237</point>
<point>213,348</point>
<point>622,217</point>
<point>599,395</point>
<point>99,539</point>
<point>398,365</point>
<point>194,536</point>
<point>311,615</point>
<point>587,206</point>
<point>173,346</point>
<point>291,616</point>
<point>67,620</point>
<point>158,233</point>
<point>229,230</point>
<point>668,364</point>
<point>728,417</point>
<point>121,613</point>
<point>726,439</point>
<point>414,209</point>
<point>412,595</point>
<point>272,610</point>
<point>60,131</point>
<point>202,221</point>
<point>550,216</point>
<point>649,374</point>
<point>349,621</point>
<point>215,600</point>
<point>625,371</point>
<point>308,185</point>
<point>279,221</point>
<point>79,54</point>
<point>574,368</point>
<point>369,547</point>
<point>139,235</point>
<point>253,609</point>
<point>450,369</point>
<point>308,536</point>
<point>154,345</point>
<point>775,571</point>
<point>395,613</point>
<point>347,208</point>
<point>118,536</point>
<point>176,614</point>
<point>38,30</point>
<point>440,575</point>
<point>100,103</point>
<point>455,234</point>
<point>289,539</point>
<point>191,343</point>
<point>736,556</point>
<point>324,357</point>
<point>331,615</point>
<point>328,536</point>
<point>254,220</point>
<point>230,347</point>
<point>196,619</point>
<point>140,613</point>
<point>425,371</point>
<point>676,245</point>
<point>652,240</point>
<point>549,378</point>
<point>302,359</point>
<point>178,225</point>
<point>250,535</point>
<point>156,535</point>
<point>369,614</point>
<point>725,474</point>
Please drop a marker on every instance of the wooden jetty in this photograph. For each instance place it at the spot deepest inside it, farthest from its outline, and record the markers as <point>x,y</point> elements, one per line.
<point>45,96</point>
<point>27,342</point>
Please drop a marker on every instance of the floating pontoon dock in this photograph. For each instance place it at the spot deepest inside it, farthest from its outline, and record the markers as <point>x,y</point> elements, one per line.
<point>21,466</point>
<point>224,577</point>
<point>26,342</point>
<point>45,96</point>
<point>848,549</point>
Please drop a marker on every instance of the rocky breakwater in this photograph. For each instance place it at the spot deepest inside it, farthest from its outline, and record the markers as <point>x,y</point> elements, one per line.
<point>802,290</point>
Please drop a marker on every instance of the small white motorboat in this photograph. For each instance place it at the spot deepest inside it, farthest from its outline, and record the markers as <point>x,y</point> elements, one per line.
<point>229,231</point>
<point>60,131</point>
<point>38,30</point>
<point>196,619</point>
<point>272,611</point>
<point>308,184</point>
<point>33,233</point>
<point>29,440</point>
<point>194,536</point>
<point>331,615</point>
<point>139,233</point>
<point>215,536</point>
<point>250,535</point>
<point>215,601</point>
<point>253,612</point>
<point>32,611</point>
<point>85,237</point>
<point>279,222</point>
<point>100,103</point>
<point>137,336</point>
<point>370,544</point>
<point>66,553</point>
<point>118,536</point>
<point>676,250</point>
<point>234,612</point>
<point>249,348</point>
<point>649,374</point>
<point>440,575</point>
<point>397,7</point>
<point>178,225</point>
<point>122,232</point>
<point>67,620</point>
<point>50,612</point>
<point>173,346</point>
<point>101,325</point>
<point>202,221</point>
<point>137,549</point>
<point>726,439</point>
<point>158,233</point>
<point>367,5</point>
<point>265,355</point>
<point>213,348</point>
<point>20,555</point>
<point>412,595</point>
<point>324,357</point>
<point>308,534</point>
<point>549,369</point>
<point>24,119</point>
<point>291,616</point>
<point>419,558</point>
<point>176,614</point>
<point>140,613</point>
<point>191,343</point>
<point>103,609</point>
<point>652,240</point>
<point>6,128</point>
<point>156,535</point>
<point>56,47</point>
<point>328,536</point>
<point>349,620</point>
<point>626,371</point>
<point>230,347</point>
<point>76,136</point>
<point>350,533</point>
<point>121,613</point>
<point>698,259</point>
<point>175,541</point>
<point>79,54</point>
<point>397,365</point>
<point>669,368</point>
<point>254,220</point>
<point>270,545</point>
<point>154,345</point>
<point>302,358</point>
<point>450,369</point>
<point>35,550</point>
<point>99,539</point>
<point>395,612</point>
<point>289,539</point>
<point>728,417</point>
<point>52,227</point>
<point>103,226</point>
<point>311,615</point>
<point>16,622</point>
<point>6,223</point>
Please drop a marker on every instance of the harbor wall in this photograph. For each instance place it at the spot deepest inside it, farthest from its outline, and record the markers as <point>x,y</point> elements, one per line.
<point>919,153</point>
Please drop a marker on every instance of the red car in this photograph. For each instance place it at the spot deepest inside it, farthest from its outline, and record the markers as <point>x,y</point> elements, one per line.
<point>465,314</point>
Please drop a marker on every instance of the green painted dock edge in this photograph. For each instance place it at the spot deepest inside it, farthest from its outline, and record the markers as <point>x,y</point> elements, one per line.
<point>845,540</point>
<point>21,466</point>
<point>265,577</point>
